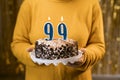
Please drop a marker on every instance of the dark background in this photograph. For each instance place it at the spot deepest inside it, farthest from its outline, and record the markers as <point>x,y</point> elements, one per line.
<point>107,69</point>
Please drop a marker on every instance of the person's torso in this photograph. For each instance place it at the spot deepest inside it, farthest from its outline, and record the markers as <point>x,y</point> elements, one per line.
<point>77,16</point>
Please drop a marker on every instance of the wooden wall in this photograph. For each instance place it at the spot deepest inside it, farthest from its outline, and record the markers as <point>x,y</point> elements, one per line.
<point>109,65</point>
<point>8,12</point>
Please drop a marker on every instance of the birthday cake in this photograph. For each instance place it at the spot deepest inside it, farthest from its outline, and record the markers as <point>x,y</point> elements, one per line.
<point>55,49</point>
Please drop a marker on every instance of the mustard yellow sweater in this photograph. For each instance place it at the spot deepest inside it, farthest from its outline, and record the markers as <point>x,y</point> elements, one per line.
<point>84,24</point>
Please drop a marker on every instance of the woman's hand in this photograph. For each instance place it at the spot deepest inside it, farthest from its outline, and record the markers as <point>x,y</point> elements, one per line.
<point>31,48</point>
<point>78,63</point>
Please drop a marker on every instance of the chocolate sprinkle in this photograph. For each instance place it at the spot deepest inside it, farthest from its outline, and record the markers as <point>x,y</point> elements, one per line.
<point>66,50</point>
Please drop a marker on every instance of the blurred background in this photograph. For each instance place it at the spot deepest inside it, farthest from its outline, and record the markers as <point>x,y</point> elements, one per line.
<point>107,69</point>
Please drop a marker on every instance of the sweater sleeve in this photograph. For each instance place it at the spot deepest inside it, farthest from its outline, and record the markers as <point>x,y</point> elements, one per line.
<point>21,40</point>
<point>95,48</point>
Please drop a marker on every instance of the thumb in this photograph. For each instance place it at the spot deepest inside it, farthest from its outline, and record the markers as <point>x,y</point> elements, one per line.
<point>83,50</point>
<point>30,49</point>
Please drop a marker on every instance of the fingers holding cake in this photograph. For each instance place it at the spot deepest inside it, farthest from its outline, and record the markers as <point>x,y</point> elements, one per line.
<point>81,60</point>
<point>30,49</point>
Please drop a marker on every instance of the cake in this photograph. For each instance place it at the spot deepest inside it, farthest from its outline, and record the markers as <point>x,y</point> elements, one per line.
<point>55,49</point>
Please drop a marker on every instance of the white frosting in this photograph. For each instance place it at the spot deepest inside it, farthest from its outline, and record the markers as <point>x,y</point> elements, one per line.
<point>55,42</point>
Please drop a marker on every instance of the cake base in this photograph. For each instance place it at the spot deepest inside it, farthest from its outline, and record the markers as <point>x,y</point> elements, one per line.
<point>55,62</point>
<point>56,49</point>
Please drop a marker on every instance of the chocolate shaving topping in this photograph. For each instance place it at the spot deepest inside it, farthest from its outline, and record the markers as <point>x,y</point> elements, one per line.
<point>48,51</point>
